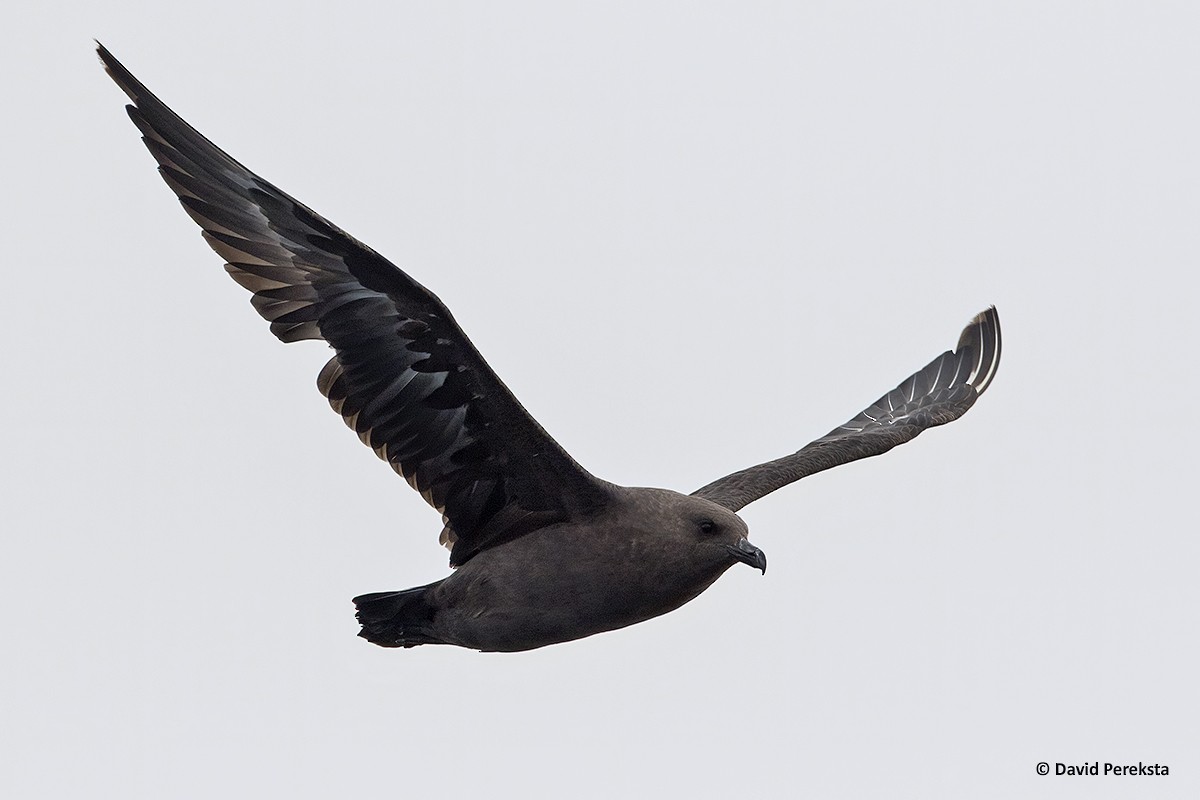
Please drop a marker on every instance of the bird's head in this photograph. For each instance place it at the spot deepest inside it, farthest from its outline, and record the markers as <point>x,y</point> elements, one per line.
<point>709,536</point>
<point>718,529</point>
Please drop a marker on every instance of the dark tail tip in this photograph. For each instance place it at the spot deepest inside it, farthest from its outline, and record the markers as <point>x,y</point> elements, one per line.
<point>396,619</point>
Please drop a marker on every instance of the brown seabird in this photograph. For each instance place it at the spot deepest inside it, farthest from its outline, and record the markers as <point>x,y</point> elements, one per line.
<point>543,551</point>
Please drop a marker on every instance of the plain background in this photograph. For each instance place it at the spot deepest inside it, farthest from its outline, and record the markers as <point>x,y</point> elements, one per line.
<point>691,237</point>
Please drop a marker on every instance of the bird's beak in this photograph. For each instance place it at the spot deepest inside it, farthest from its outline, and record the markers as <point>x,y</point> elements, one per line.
<point>748,554</point>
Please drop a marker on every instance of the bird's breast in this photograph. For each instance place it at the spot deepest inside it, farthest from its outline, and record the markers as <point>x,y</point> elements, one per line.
<point>557,585</point>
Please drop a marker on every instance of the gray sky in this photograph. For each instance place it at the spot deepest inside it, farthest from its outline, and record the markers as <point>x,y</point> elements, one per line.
<point>690,237</point>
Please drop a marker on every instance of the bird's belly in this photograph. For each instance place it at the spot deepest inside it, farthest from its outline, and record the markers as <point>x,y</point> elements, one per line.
<point>495,609</point>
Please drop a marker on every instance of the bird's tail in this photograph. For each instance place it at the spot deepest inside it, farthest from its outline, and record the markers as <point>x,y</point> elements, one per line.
<point>397,619</point>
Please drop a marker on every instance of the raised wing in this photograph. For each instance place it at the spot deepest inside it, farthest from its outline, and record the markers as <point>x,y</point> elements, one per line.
<point>405,377</point>
<point>940,393</point>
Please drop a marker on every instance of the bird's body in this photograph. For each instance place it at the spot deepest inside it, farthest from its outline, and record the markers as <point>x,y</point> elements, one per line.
<point>569,579</point>
<point>544,551</point>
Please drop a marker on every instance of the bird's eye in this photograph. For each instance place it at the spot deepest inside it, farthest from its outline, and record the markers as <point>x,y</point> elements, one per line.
<point>706,526</point>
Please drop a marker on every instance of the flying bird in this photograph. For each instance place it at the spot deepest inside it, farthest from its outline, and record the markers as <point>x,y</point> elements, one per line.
<point>543,551</point>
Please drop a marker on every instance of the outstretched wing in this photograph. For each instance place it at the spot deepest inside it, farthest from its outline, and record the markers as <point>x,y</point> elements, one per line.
<point>405,377</point>
<point>940,393</point>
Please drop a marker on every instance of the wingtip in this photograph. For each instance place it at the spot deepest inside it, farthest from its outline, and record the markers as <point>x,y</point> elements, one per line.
<point>982,334</point>
<point>130,85</point>
<point>106,58</point>
<point>102,54</point>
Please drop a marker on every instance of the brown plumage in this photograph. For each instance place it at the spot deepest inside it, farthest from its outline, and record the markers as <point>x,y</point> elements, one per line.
<point>545,552</point>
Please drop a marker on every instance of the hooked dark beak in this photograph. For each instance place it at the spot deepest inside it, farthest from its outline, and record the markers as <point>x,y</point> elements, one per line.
<point>748,554</point>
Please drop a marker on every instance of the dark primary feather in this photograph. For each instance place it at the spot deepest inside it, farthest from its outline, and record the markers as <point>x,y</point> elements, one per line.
<point>404,376</point>
<point>939,393</point>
